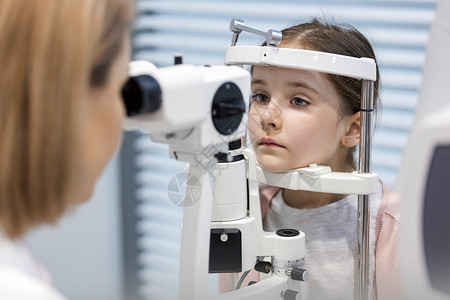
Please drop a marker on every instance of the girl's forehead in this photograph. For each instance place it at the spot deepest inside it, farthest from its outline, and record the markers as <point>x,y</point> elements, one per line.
<point>287,80</point>
<point>269,74</point>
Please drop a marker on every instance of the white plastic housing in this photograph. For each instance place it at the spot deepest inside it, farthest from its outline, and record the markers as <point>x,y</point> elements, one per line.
<point>255,241</point>
<point>361,68</point>
<point>184,119</point>
<point>431,128</point>
<point>430,132</point>
<point>184,96</point>
<point>230,192</point>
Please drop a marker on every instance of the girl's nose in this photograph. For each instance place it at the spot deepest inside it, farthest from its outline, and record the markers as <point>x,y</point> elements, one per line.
<point>270,117</point>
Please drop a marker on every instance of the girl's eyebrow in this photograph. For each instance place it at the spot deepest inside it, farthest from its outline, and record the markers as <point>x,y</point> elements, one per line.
<point>297,84</point>
<point>294,84</point>
<point>258,81</point>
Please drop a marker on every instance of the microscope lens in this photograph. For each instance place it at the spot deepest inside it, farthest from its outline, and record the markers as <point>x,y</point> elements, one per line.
<point>141,94</point>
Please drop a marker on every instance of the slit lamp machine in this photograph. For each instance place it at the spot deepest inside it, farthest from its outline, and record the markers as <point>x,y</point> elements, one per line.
<point>201,112</point>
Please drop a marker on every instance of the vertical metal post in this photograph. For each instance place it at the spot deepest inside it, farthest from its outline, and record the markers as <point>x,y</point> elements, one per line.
<point>195,236</point>
<point>363,200</point>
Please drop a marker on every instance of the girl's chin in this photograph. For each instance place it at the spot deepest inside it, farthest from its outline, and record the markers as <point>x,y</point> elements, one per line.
<point>277,166</point>
<point>274,168</point>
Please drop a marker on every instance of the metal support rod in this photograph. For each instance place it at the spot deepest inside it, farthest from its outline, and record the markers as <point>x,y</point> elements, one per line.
<point>363,246</point>
<point>363,200</point>
<point>365,146</point>
<point>273,37</point>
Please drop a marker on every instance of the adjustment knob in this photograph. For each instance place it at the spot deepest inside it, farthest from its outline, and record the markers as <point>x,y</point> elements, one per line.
<point>224,237</point>
<point>288,232</point>
<point>297,273</point>
<point>264,267</point>
<point>291,295</point>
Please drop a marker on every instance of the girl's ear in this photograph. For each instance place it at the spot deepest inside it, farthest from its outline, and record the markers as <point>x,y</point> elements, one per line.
<point>352,136</point>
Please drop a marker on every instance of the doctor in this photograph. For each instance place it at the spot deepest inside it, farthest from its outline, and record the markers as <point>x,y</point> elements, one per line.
<point>63,64</point>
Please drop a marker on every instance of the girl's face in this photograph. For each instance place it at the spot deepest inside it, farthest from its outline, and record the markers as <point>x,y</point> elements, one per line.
<point>104,113</point>
<point>294,120</point>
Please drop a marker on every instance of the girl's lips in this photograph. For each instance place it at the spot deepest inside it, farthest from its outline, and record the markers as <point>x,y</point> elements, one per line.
<point>269,143</point>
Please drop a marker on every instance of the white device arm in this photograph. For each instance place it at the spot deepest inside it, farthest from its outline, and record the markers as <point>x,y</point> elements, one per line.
<point>268,289</point>
<point>321,179</point>
<point>360,68</point>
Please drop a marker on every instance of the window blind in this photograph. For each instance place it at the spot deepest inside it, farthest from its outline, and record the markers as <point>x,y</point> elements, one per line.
<point>199,30</point>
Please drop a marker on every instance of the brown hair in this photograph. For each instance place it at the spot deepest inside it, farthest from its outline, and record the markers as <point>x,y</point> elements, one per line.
<point>52,52</point>
<point>340,39</point>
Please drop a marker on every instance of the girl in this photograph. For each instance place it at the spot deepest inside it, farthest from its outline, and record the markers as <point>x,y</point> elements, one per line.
<point>299,117</point>
<point>63,66</point>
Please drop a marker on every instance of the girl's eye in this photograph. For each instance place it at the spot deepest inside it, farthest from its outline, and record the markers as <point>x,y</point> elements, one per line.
<point>261,98</point>
<point>299,102</point>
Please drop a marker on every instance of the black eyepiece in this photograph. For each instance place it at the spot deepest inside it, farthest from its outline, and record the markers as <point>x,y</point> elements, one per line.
<point>228,108</point>
<point>141,95</point>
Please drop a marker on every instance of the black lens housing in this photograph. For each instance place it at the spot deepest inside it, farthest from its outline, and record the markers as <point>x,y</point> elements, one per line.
<point>228,108</point>
<point>141,95</point>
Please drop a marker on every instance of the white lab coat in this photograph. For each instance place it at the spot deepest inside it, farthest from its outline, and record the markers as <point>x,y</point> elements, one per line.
<point>22,277</point>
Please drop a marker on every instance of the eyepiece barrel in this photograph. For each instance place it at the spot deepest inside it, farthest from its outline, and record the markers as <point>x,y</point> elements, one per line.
<point>141,94</point>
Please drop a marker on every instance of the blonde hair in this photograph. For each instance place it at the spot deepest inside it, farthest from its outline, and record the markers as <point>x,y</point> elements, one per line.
<point>51,53</point>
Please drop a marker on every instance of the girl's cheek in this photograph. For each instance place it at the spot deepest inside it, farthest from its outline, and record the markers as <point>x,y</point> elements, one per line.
<point>253,124</point>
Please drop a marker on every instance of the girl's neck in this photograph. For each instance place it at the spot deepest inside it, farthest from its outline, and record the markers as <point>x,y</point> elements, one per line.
<point>308,200</point>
